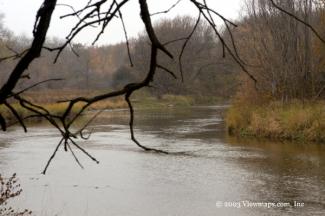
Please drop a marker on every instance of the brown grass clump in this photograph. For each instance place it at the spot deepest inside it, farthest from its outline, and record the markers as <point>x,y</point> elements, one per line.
<point>295,120</point>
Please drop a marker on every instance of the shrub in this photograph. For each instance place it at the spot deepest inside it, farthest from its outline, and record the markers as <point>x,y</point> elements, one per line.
<point>10,189</point>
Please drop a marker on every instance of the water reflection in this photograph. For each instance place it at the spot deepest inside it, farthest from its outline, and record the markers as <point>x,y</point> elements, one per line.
<point>129,181</point>
<point>288,171</point>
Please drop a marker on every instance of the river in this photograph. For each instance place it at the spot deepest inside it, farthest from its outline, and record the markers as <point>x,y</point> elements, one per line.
<point>217,175</point>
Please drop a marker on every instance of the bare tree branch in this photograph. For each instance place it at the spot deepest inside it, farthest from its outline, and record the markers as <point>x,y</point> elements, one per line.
<point>299,20</point>
<point>167,11</point>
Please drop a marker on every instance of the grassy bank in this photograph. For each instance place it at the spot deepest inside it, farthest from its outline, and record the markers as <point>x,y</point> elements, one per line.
<point>59,108</point>
<point>141,100</point>
<point>295,120</point>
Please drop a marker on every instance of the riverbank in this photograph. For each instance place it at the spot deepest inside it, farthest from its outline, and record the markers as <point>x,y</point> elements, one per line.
<point>59,108</point>
<point>302,121</point>
<point>141,100</point>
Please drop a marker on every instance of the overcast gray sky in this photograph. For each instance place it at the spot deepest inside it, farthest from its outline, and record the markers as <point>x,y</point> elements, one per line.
<point>20,16</point>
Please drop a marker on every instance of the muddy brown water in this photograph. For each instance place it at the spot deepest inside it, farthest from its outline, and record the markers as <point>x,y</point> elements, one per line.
<point>218,175</point>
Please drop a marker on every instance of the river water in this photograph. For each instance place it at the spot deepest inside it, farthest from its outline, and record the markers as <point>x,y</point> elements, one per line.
<point>217,175</point>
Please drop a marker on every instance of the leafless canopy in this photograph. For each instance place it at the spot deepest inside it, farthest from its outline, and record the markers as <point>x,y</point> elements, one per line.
<point>101,13</point>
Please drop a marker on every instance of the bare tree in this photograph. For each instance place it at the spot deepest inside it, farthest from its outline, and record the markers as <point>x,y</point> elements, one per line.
<point>101,13</point>
<point>283,53</point>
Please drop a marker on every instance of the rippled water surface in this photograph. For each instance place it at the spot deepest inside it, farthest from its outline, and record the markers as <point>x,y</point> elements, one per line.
<point>213,169</point>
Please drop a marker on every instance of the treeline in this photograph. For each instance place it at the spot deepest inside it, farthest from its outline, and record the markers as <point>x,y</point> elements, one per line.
<point>79,66</point>
<point>199,69</point>
<point>283,54</point>
<point>203,73</point>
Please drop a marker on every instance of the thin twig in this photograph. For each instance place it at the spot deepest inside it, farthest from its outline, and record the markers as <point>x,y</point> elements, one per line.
<point>167,11</point>
<point>75,156</point>
<point>52,156</point>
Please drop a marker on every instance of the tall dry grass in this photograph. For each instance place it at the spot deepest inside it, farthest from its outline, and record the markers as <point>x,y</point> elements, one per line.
<point>295,120</point>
